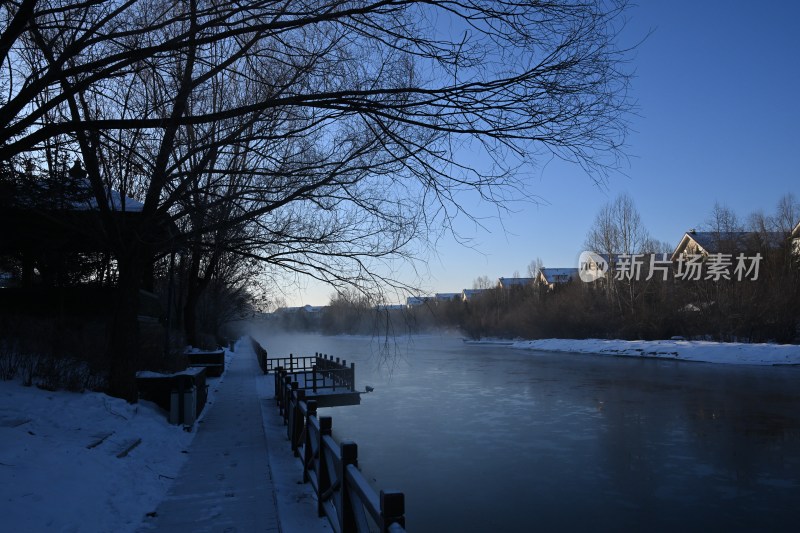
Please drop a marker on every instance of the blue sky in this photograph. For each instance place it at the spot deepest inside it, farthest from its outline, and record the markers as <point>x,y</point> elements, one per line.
<point>718,87</point>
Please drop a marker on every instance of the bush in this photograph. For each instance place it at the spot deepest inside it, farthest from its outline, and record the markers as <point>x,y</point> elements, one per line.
<point>53,354</point>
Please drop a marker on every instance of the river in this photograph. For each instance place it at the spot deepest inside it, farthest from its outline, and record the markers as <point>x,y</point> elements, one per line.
<point>489,439</point>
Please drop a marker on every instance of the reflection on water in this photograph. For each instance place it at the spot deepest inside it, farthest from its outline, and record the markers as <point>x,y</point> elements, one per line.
<point>492,439</point>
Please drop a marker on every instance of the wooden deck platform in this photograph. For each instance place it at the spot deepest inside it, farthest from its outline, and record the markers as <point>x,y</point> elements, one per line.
<point>328,396</point>
<point>335,399</point>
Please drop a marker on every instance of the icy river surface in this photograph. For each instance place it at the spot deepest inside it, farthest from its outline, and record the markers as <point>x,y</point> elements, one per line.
<point>486,438</point>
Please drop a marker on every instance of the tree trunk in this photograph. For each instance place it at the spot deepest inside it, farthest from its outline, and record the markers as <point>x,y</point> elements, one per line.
<point>124,343</point>
<point>192,297</point>
<point>190,315</point>
<point>195,286</point>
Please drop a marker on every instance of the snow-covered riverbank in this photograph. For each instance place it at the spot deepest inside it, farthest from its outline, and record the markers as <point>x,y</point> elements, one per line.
<point>83,462</point>
<point>732,353</point>
<point>92,463</point>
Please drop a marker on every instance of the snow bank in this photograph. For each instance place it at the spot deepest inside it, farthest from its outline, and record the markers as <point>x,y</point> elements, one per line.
<point>92,463</point>
<point>82,461</point>
<point>709,352</point>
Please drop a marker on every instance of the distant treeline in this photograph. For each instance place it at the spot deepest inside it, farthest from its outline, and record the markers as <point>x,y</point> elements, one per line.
<point>766,309</point>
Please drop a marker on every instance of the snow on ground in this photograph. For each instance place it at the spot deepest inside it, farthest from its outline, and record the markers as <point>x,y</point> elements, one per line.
<point>733,353</point>
<point>297,503</point>
<point>63,465</point>
<point>63,460</point>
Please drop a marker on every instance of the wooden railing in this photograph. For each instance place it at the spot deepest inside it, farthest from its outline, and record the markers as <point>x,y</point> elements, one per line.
<point>343,494</point>
<point>331,373</point>
<point>261,355</point>
<point>324,373</point>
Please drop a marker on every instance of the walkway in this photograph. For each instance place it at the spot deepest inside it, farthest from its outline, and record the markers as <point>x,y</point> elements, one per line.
<point>226,485</point>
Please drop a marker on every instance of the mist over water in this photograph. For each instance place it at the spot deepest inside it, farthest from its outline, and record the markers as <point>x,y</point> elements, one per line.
<point>485,438</point>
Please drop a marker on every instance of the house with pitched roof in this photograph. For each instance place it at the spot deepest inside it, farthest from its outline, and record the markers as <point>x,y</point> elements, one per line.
<point>508,283</point>
<point>551,277</point>
<point>729,242</point>
<point>416,301</point>
<point>469,294</point>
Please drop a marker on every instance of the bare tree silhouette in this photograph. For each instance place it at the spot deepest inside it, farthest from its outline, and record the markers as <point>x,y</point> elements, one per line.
<point>320,137</point>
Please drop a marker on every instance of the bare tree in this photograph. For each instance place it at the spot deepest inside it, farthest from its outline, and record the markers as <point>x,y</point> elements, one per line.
<point>655,246</point>
<point>482,283</point>
<point>534,267</point>
<point>722,220</point>
<point>758,222</point>
<point>346,119</point>
<point>787,214</point>
<point>618,229</point>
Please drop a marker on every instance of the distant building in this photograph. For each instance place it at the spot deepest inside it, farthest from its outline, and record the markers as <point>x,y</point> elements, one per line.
<point>550,277</point>
<point>390,307</point>
<point>507,283</point>
<point>447,296</point>
<point>309,309</point>
<point>731,242</point>
<point>469,294</point>
<point>416,301</point>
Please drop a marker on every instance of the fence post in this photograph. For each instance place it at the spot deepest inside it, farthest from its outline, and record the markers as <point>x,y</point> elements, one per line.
<point>393,509</point>
<point>291,363</point>
<point>278,377</point>
<point>323,476</point>
<point>314,377</point>
<point>284,379</point>
<point>285,386</point>
<point>288,419</point>
<point>347,519</point>
<point>298,421</point>
<point>291,388</point>
<point>308,449</point>
<point>352,377</point>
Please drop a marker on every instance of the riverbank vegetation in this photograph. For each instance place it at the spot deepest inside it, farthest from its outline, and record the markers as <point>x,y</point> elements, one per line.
<point>763,306</point>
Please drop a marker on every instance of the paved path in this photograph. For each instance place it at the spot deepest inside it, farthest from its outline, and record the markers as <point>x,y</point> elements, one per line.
<point>226,484</point>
